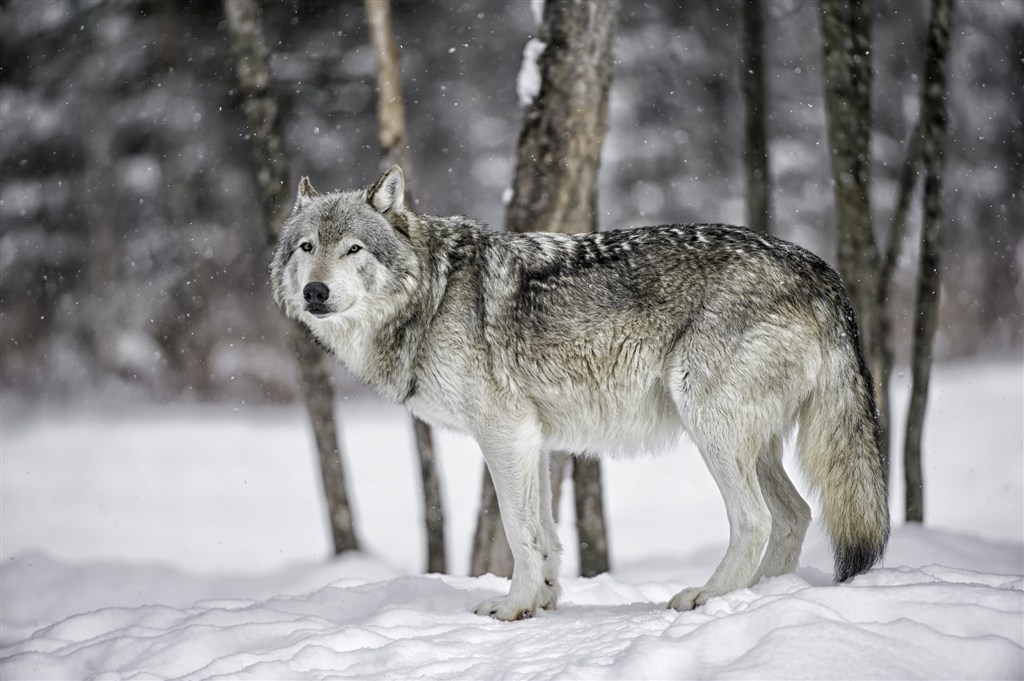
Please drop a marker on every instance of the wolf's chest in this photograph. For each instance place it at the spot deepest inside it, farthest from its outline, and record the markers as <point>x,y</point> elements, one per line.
<point>350,344</point>
<point>437,413</point>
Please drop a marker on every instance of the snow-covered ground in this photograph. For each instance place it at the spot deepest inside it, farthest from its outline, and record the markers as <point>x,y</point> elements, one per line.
<point>189,542</point>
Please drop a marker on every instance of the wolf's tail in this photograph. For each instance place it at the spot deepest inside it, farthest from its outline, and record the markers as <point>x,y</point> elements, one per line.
<point>839,446</point>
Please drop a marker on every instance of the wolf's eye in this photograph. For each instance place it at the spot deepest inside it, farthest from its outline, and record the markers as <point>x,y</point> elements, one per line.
<point>355,249</point>
<point>306,246</point>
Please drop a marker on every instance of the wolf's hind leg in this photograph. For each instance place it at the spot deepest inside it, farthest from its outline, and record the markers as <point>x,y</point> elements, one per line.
<point>791,515</point>
<point>732,461</point>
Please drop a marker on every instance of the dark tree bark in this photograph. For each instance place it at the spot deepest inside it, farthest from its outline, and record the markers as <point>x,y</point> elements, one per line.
<point>558,465</point>
<point>555,189</point>
<point>933,106</point>
<point>555,184</point>
<point>433,504</point>
<point>590,526</point>
<point>252,65</point>
<point>846,39</point>
<point>318,394</point>
<point>391,119</point>
<point>491,552</point>
<point>886,277</point>
<point>754,97</point>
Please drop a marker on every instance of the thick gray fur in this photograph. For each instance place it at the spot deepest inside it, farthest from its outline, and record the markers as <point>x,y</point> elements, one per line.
<point>602,344</point>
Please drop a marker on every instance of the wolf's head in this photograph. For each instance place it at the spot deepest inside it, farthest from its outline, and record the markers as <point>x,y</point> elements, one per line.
<point>345,256</point>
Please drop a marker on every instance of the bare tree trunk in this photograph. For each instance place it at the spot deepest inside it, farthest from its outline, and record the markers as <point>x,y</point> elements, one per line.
<point>491,552</point>
<point>318,394</point>
<point>586,480</point>
<point>846,38</point>
<point>391,119</point>
<point>390,107</point>
<point>252,65</point>
<point>928,275</point>
<point>559,463</point>
<point>756,146</point>
<point>886,277</point>
<point>433,504</point>
<point>555,185</point>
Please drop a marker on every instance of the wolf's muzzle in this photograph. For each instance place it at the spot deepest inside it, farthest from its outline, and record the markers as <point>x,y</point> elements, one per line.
<point>316,293</point>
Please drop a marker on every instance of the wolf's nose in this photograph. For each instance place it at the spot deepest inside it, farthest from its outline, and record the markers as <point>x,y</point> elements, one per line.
<point>316,292</point>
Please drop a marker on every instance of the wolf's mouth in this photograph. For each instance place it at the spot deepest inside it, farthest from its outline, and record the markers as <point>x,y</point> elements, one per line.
<point>318,309</point>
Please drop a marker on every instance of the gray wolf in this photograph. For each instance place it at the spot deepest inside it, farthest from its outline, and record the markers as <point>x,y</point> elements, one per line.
<point>598,344</point>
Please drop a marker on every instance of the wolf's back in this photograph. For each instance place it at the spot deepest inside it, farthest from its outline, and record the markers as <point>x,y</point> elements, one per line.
<point>839,442</point>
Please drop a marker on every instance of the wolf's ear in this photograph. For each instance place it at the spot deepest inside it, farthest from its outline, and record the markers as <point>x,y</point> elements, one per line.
<point>305,195</point>
<point>389,191</point>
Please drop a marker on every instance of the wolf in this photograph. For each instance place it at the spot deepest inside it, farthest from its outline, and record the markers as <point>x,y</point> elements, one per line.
<point>601,344</point>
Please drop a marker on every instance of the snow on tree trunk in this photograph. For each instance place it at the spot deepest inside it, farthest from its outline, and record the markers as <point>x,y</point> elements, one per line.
<point>252,66</point>
<point>393,144</point>
<point>555,185</point>
<point>555,189</point>
<point>928,275</point>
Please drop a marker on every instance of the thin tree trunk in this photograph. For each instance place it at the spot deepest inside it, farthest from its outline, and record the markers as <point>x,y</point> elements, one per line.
<point>886,278</point>
<point>392,135</point>
<point>586,480</point>
<point>252,65</point>
<point>390,107</point>
<point>754,97</point>
<point>591,528</point>
<point>433,506</point>
<point>555,184</point>
<point>846,40</point>
<point>928,274</point>
<point>491,552</point>
<point>318,394</point>
<point>558,465</point>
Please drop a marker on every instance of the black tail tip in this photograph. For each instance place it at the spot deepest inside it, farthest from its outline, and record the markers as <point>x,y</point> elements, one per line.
<point>855,560</point>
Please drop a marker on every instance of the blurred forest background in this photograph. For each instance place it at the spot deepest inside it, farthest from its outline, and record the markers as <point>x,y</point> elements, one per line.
<point>132,261</point>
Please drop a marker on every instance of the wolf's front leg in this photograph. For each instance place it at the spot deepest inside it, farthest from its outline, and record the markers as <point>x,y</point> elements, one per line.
<point>514,465</point>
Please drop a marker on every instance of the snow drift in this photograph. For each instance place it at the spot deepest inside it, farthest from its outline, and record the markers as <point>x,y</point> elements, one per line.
<point>188,543</point>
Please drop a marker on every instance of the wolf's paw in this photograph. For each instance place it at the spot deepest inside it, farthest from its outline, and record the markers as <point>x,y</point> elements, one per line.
<point>688,599</point>
<point>506,609</point>
<point>549,594</point>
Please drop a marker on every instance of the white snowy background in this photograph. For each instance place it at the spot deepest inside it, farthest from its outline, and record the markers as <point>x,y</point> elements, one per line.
<point>189,542</point>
